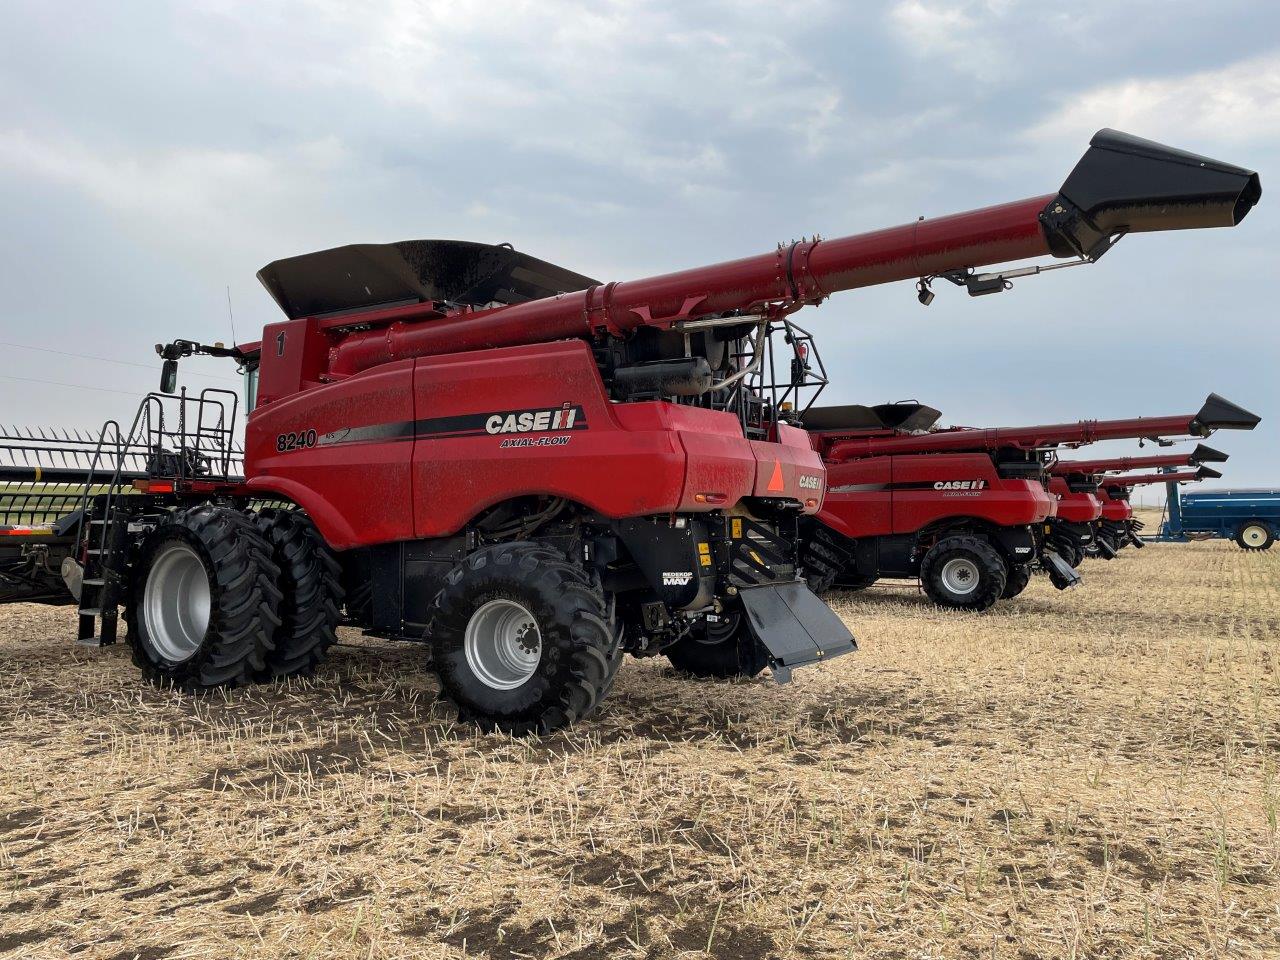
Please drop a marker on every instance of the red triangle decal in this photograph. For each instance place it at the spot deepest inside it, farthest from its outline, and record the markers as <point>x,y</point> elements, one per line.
<point>776,484</point>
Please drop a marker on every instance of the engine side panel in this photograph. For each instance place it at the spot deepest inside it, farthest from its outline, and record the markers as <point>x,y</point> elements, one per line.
<point>859,500</point>
<point>932,487</point>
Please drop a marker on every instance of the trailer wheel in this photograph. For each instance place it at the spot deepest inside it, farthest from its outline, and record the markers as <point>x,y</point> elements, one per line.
<point>823,560</point>
<point>1254,535</point>
<point>721,651</point>
<point>309,609</point>
<point>205,601</point>
<point>523,640</point>
<point>1019,577</point>
<point>963,572</point>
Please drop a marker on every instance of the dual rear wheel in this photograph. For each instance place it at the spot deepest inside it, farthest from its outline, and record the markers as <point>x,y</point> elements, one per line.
<point>221,598</point>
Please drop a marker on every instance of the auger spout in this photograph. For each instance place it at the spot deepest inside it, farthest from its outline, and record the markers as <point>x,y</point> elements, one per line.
<point>1192,458</point>
<point>381,303</point>
<point>1215,414</point>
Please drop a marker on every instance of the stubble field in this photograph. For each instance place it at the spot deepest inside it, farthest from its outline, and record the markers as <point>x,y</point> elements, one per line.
<point>1082,774</point>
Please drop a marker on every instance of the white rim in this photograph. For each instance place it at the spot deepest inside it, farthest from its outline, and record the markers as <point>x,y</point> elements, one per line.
<point>960,576</point>
<point>503,645</point>
<point>1255,535</point>
<point>177,602</point>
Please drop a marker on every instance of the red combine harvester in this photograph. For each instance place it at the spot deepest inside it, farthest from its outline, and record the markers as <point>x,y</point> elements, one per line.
<point>529,470</point>
<point>965,510</point>
<point>1117,528</point>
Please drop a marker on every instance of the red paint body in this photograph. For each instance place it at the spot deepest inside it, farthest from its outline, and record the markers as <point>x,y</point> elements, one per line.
<point>634,459</point>
<point>1074,506</point>
<point>906,499</point>
<point>1115,509</point>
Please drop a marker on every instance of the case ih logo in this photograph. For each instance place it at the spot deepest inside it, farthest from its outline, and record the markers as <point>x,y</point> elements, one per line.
<point>808,481</point>
<point>960,485</point>
<point>564,417</point>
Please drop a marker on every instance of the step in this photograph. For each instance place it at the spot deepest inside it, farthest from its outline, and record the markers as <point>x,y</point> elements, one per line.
<point>93,582</point>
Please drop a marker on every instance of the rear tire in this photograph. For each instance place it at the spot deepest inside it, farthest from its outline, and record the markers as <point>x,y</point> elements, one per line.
<point>309,609</point>
<point>1254,535</point>
<point>964,573</point>
<point>523,640</point>
<point>724,651</point>
<point>1019,577</point>
<point>205,601</point>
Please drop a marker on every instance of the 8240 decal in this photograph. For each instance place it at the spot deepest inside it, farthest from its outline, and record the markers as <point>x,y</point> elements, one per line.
<point>295,441</point>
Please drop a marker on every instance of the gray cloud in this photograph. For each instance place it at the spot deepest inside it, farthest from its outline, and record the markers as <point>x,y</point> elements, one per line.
<point>152,154</point>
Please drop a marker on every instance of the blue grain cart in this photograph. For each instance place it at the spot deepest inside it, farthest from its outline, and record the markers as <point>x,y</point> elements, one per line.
<point>1249,517</point>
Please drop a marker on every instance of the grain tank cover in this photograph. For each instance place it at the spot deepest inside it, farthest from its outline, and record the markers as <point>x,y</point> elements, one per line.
<point>365,275</point>
<point>910,417</point>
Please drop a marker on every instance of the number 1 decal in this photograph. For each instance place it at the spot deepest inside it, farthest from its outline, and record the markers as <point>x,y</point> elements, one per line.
<point>280,344</point>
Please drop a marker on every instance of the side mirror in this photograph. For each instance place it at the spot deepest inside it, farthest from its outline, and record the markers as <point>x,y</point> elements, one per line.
<point>169,377</point>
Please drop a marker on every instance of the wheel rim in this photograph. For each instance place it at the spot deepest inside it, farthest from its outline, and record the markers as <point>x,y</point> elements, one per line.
<point>960,576</point>
<point>1254,535</point>
<point>177,602</point>
<point>503,644</point>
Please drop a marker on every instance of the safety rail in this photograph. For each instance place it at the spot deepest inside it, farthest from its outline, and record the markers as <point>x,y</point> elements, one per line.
<point>178,446</point>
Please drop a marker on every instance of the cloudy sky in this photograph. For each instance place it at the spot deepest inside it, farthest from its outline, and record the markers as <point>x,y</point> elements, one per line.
<point>154,154</point>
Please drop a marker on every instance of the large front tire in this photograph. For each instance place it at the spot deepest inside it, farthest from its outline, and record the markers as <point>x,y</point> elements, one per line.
<point>725,650</point>
<point>205,601</point>
<point>523,640</point>
<point>309,580</point>
<point>964,573</point>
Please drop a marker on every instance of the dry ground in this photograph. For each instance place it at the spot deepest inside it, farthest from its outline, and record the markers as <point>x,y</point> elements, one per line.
<point>1073,775</point>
